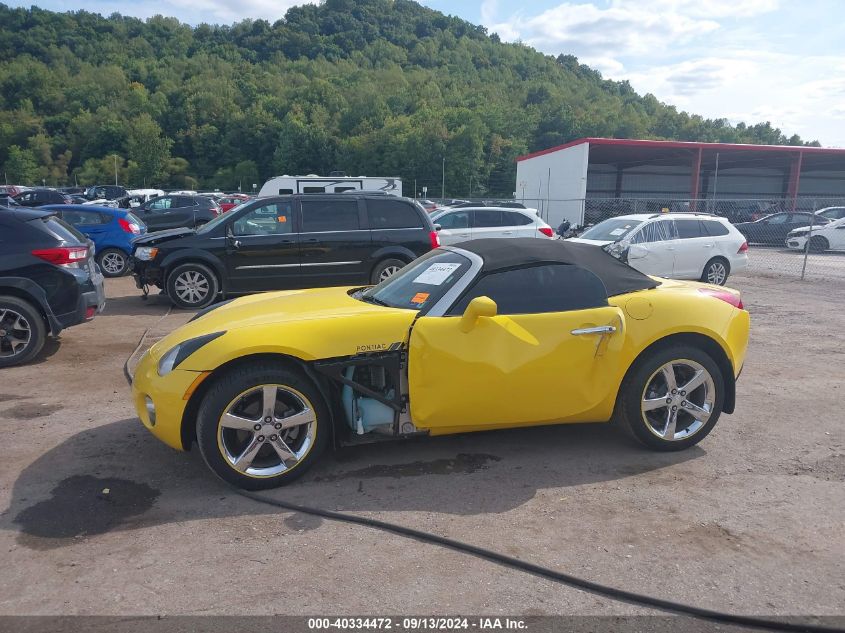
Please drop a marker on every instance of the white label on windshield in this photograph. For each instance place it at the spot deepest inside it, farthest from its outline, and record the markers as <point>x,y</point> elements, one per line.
<point>619,231</point>
<point>436,274</point>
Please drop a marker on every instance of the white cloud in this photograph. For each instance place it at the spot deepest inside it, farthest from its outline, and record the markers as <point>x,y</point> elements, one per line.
<point>709,57</point>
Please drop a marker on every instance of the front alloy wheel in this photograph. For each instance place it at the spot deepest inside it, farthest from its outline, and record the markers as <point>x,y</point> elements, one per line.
<point>260,426</point>
<point>266,430</point>
<point>678,400</point>
<point>192,286</point>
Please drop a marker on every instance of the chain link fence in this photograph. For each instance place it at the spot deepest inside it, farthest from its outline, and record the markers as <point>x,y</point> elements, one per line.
<point>802,238</point>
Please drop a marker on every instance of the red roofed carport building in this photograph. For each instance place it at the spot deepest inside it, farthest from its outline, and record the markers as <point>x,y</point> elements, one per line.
<point>557,180</point>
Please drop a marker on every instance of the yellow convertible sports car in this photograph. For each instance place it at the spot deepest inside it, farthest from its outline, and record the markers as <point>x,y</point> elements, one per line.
<point>487,334</point>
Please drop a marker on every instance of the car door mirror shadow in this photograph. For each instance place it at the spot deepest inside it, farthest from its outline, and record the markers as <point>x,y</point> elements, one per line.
<point>115,476</point>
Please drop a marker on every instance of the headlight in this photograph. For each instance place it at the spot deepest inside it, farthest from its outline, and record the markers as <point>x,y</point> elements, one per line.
<point>180,352</point>
<point>146,253</point>
<point>797,233</point>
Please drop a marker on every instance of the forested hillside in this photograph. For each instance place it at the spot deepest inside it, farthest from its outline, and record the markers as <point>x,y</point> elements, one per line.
<point>375,87</point>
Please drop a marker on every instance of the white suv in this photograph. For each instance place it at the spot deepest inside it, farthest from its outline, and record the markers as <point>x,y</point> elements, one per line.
<point>472,223</point>
<point>676,245</point>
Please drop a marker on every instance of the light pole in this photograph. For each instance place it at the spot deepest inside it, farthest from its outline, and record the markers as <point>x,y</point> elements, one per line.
<point>443,184</point>
<point>115,169</point>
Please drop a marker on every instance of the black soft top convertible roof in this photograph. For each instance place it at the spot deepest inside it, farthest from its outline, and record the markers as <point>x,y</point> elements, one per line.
<point>617,276</point>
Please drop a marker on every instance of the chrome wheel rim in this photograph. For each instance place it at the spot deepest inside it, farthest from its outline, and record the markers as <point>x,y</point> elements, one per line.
<point>717,273</point>
<point>191,286</point>
<point>15,333</point>
<point>388,272</point>
<point>266,430</point>
<point>678,400</point>
<point>113,263</point>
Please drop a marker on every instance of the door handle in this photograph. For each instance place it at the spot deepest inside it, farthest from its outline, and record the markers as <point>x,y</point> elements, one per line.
<point>598,329</point>
<point>708,246</point>
<point>507,232</point>
<point>312,240</point>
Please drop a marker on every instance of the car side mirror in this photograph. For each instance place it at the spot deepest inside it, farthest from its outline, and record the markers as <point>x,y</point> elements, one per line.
<point>477,308</point>
<point>637,251</point>
<point>437,227</point>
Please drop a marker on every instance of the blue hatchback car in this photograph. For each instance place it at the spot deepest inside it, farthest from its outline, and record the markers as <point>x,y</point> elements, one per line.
<point>110,229</point>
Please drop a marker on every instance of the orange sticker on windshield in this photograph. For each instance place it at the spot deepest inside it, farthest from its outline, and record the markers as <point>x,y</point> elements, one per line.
<point>283,218</point>
<point>420,297</point>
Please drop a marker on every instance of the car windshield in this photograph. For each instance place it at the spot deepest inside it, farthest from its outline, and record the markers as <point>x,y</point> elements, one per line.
<point>421,283</point>
<point>213,223</point>
<point>611,230</point>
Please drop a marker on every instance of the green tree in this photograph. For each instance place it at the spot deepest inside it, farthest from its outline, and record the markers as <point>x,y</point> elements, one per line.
<point>21,166</point>
<point>149,150</point>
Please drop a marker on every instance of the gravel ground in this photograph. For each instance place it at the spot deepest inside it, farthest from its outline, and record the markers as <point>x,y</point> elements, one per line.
<point>100,518</point>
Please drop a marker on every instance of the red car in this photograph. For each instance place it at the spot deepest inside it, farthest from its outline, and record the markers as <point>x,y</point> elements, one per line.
<point>10,190</point>
<point>227,203</point>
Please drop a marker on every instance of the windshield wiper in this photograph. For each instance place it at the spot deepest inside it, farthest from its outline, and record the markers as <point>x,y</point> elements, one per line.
<point>371,299</point>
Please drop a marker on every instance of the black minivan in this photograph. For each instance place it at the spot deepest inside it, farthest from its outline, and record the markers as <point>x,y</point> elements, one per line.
<point>285,242</point>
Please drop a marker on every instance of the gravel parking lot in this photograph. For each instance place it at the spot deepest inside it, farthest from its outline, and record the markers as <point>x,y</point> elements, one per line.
<point>101,518</point>
<point>776,262</point>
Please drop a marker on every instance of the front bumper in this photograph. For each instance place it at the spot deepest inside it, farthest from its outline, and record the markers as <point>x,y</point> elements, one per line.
<point>146,273</point>
<point>797,243</point>
<point>167,397</point>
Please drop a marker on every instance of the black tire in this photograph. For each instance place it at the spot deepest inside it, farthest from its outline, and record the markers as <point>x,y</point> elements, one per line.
<point>386,266</point>
<point>227,391</point>
<point>819,244</point>
<point>718,269</point>
<point>204,291</point>
<point>108,261</point>
<point>14,313</point>
<point>643,375</point>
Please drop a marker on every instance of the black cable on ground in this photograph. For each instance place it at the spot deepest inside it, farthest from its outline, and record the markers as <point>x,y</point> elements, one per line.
<point>544,572</point>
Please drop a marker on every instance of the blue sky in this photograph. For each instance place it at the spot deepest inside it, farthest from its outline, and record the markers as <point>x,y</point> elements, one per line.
<point>746,60</point>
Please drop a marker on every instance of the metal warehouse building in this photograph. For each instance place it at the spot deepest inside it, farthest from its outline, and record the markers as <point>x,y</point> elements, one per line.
<point>558,180</point>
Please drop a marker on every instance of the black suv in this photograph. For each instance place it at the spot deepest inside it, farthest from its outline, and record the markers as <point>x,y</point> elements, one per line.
<point>48,281</point>
<point>105,192</point>
<point>285,242</point>
<point>40,197</point>
<point>177,211</point>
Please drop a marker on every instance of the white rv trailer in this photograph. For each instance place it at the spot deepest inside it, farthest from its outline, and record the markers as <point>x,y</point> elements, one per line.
<point>282,185</point>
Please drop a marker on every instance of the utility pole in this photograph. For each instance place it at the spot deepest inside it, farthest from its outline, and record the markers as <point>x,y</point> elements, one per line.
<point>115,169</point>
<point>470,186</point>
<point>443,184</point>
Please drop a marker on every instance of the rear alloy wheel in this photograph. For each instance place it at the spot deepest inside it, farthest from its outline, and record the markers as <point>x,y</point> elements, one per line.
<point>818,244</point>
<point>262,426</point>
<point>192,286</point>
<point>386,269</point>
<point>113,262</point>
<point>716,271</point>
<point>22,331</point>
<point>673,398</point>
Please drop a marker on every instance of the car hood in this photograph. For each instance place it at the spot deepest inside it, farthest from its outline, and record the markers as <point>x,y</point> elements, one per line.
<point>157,237</point>
<point>581,240</point>
<point>308,324</point>
<point>806,228</point>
